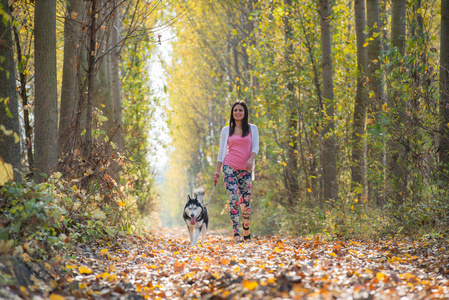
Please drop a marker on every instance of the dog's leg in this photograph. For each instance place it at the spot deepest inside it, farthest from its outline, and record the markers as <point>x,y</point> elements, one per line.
<point>203,234</point>
<point>196,235</point>
<point>190,230</point>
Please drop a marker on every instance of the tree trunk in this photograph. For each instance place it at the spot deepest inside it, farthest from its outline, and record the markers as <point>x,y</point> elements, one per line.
<point>9,111</point>
<point>330,184</point>
<point>292,130</point>
<point>374,154</point>
<point>115,80</point>
<point>235,56</point>
<point>23,94</point>
<point>316,181</point>
<point>396,174</point>
<point>103,89</point>
<point>358,133</point>
<point>248,41</point>
<point>444,94</point>
<point>103,92</point>
<point>46,102</point>
<point>398,9</point>
<point>69,92</point>
<point>90,78</point>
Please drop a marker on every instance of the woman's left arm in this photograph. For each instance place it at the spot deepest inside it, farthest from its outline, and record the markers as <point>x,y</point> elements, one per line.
<point>255,147</point>
<point>255,140</point>
<point>250,162</point>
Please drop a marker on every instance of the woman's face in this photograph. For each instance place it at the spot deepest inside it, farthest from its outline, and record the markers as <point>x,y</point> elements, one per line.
<point>238,112</point>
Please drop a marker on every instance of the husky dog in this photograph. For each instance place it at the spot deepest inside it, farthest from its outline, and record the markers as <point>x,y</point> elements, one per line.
<point>195,216</point>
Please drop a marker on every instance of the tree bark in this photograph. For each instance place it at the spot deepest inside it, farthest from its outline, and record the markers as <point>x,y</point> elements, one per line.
<point>9,111</point>
<point>46,102</point>
<point>26,115</point>
<point>103,92</point>
<point>234,42</point>
<point>396,174</point>
<point>103,88</point>
<point>358,133</point>
<point>115,79</point>
<point>330,184</point>
<point>69,91</point>
<point>444,94</point>
<point>292,147</point>
<point>398,9</point>
<point>375,87</point>
<point>90,78</point>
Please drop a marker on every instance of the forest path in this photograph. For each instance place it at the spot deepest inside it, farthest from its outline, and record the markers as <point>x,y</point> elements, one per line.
<point>164,265</point>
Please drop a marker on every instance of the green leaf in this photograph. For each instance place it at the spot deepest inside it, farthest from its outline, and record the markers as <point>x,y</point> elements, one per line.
<point>109,231</point>
<point>98,214</point>
<point>4,235</point>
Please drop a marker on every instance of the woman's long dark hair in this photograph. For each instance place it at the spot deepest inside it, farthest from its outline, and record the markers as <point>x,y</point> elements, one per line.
<point>245,123</point>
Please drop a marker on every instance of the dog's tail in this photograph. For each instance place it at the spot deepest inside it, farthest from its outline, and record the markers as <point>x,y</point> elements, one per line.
<point>199,193</point>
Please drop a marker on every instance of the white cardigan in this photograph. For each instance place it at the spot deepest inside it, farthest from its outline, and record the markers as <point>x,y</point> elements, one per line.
<point>224,143</point>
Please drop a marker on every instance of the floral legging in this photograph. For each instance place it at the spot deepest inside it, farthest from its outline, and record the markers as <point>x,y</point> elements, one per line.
<point>238,183</point>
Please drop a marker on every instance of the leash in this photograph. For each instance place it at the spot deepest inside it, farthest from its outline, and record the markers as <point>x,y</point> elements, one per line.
<point>211,194</point>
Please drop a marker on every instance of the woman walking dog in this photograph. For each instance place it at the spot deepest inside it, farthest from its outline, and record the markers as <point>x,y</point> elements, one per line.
<point>239,145</point>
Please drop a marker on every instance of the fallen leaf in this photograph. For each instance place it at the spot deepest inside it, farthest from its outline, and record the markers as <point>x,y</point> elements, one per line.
<point>56,297</point>
<point>250,285</point>
<point>84,270</point>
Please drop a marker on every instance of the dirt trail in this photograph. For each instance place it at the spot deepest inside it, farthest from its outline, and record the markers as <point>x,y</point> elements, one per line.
<point>165,265</point>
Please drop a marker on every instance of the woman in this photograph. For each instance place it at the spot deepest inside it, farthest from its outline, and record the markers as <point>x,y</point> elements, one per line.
<point>239,145</point>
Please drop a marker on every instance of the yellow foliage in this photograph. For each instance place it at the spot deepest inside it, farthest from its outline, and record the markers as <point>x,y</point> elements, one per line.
<point>84,270</point>
<point>6,172</point>
<point>250,285</point>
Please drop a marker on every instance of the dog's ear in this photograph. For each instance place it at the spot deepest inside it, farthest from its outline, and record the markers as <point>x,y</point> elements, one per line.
<point>188,198</point>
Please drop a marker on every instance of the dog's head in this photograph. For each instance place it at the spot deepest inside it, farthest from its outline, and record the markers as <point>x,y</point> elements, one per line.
<point>193,209</point>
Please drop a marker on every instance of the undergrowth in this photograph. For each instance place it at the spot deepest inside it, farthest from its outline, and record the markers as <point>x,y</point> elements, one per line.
<point>349,218</point>
<point>54,213</point>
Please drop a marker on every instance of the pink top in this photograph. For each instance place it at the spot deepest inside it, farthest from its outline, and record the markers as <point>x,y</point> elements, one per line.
<point>239,151</point>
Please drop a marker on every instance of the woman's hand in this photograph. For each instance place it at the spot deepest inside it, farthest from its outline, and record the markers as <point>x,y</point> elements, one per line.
<point>249,164</point>
<point>216,177</point>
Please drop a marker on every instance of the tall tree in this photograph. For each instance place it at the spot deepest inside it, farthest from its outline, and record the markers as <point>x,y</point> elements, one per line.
<point>9,112</point>
<point>103,92</point>
<point>375,152</point>
<point>115,81</point>
<point>23,46</point>
<point>444,92</point>
<point>92,46</point>
<point>46,102</point>
<point>72,45</point>
<point>358,133</point>
<point>396,174</point>
<point>103,87</point>
<point>291,169</point>
<point>330,184</point>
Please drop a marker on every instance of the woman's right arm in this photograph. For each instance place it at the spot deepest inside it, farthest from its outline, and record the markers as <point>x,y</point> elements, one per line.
<point>217,171</point>
<point>221,153</point>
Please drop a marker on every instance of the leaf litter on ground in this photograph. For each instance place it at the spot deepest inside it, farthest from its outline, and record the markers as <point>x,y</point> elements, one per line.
<point>164,265</point>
